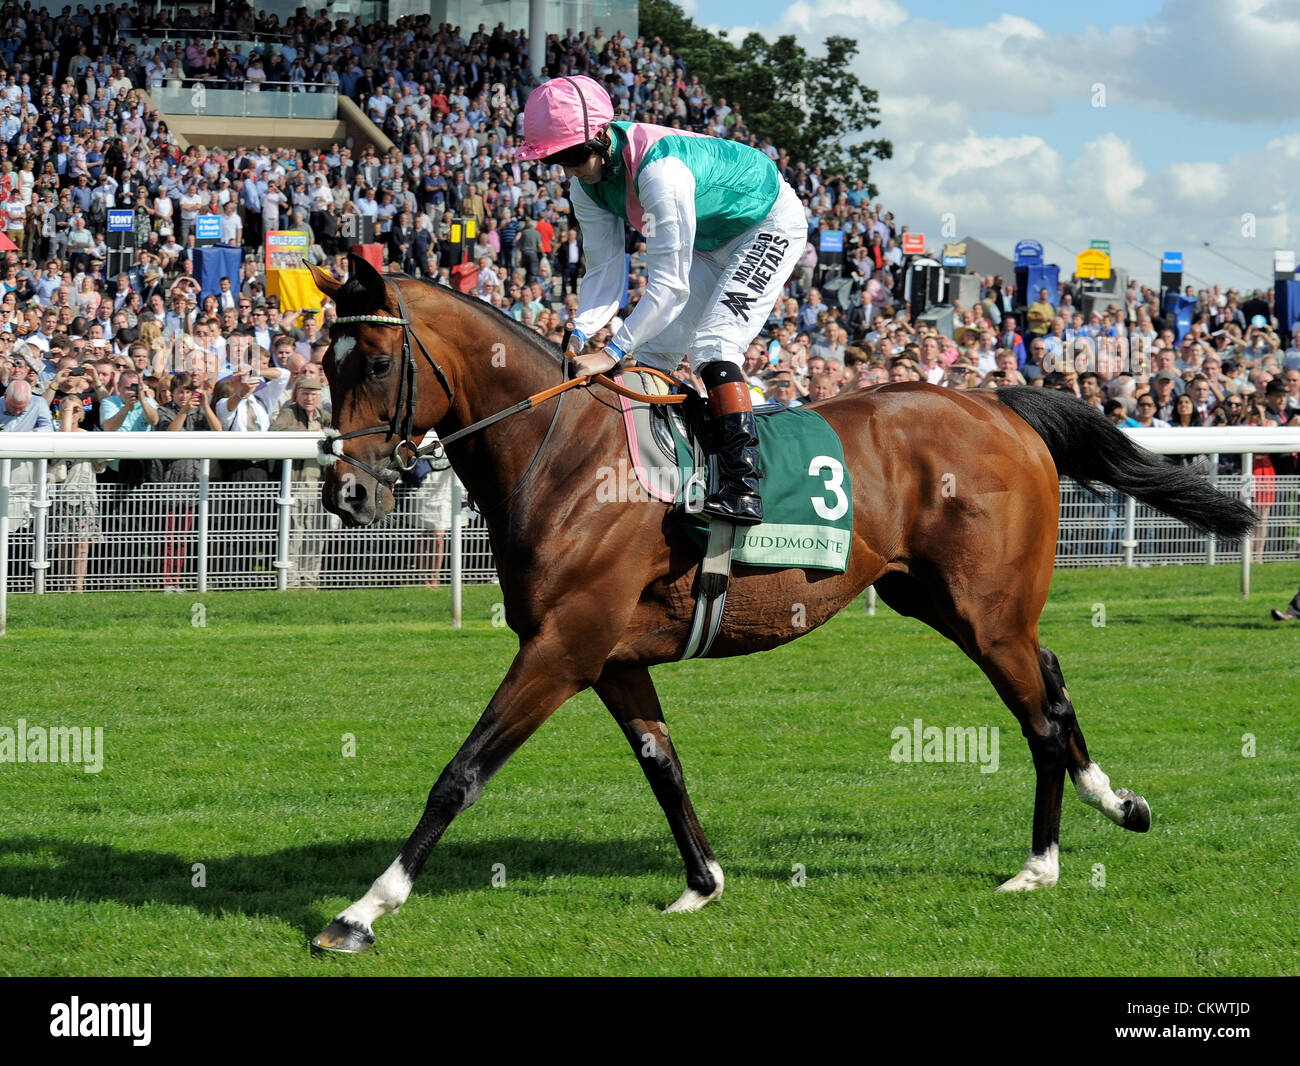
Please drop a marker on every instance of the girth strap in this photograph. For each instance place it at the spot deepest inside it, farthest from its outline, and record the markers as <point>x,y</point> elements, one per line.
<point>711,589</point>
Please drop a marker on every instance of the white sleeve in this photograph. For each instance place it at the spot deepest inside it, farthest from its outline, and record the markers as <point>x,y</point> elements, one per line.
<point>271,390</point>
<point>667,191</point>
<point>602,245</point>
<point>224,414</point>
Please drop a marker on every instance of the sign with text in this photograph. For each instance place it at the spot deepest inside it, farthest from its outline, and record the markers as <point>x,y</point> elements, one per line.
<point>1029,253</point>
<point>1172,262</point>
<point>832,240</point>
<point>914,244</point>
<point>286,249</point>
<point>1100,246</point>
<point>207,228</point>
<point>121,220</point>
<point>1094,263</point>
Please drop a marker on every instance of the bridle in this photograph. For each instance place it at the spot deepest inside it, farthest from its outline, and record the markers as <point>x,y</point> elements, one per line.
<point>401,423</point>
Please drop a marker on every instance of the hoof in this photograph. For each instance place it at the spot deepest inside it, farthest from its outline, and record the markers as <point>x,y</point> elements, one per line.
<point>1041,871</point>
<point>343,937</point>
<point>1026,881</point>
<point>691,900</point>
<point>1136,810</point>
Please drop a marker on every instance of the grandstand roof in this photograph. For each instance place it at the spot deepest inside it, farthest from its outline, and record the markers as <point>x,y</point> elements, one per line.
<point>981,259</point>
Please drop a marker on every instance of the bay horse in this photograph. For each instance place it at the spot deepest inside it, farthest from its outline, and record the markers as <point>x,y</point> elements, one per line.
<point>955,513</point>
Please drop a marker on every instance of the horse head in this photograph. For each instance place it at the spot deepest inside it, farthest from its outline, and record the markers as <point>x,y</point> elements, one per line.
<point>384,399</point>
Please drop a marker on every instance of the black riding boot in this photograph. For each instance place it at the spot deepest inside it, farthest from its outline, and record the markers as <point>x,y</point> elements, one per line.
<point>733,440</point>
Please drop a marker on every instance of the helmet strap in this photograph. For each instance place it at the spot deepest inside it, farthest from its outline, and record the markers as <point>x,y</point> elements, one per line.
<point>586,122</point>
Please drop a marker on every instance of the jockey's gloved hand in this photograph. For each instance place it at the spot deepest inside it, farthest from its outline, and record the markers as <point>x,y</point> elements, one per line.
<point>598,362</point>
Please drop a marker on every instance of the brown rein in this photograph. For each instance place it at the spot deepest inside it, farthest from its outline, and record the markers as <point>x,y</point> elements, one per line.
<point>614,386</point>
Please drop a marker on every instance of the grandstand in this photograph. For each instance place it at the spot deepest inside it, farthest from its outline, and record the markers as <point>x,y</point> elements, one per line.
<point>166,170</point>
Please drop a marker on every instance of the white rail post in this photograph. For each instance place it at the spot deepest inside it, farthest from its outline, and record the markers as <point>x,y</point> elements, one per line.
<point>1130,530</point>
<point>5,465</point>
<point>457,545</point>
<point>1248,488</point>
<point>1211,540</point>
<point>201,522</point>
<point>41,507</point>
<point>285,502</point>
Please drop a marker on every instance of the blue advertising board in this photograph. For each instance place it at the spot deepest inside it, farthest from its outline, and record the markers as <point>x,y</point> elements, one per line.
<point>1172,263</point>
<point>1029,253</point>
<point>208,228</point>
<point>832,240</point>
<point>121,220</point>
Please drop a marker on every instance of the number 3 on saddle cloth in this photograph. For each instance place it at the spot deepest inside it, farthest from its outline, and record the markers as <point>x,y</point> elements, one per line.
<point>807,493</point>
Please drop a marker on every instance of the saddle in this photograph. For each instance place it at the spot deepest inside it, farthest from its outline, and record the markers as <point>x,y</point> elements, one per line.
<point>664,439</point>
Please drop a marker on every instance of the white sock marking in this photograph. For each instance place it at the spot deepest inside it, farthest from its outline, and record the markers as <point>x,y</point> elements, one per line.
<point>386,896</point>
<point>1093,788</point>
<point>1040,871</point>
<point>690,900</point>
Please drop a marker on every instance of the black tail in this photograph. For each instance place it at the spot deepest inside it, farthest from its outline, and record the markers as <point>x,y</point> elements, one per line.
<point>1089,449</point>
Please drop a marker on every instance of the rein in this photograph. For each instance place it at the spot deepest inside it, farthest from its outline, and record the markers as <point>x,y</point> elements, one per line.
<point>402,420</point>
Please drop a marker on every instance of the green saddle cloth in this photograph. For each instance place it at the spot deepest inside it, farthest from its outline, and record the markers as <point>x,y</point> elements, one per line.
<point>806,489</point>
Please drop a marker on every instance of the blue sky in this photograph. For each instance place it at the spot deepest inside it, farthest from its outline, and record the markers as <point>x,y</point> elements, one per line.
<point>991,112</point>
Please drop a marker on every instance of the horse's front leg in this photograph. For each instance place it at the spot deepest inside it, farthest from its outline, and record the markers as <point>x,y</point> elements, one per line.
<point>535,686</point>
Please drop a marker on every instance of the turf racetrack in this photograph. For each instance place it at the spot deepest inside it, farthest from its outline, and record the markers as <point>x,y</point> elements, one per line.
<point>224,746</point>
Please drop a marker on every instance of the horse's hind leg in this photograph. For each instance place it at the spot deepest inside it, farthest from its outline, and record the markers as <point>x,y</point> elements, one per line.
<point>631,698</point>
<point>1028,678</point>
<point>1124,808</point>
<point>1008,656</point>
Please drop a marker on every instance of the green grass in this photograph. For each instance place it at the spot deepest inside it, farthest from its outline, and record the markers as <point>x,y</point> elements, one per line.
<point>224,747</point>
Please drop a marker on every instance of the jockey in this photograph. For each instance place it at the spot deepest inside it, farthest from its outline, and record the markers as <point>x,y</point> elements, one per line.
<point>723,233</point>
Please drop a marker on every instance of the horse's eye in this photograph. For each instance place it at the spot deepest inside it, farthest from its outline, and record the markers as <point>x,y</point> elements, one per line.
<point>380,367</point>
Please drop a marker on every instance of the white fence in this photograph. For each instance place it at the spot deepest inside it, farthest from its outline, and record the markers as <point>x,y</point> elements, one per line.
<point>274,534</point>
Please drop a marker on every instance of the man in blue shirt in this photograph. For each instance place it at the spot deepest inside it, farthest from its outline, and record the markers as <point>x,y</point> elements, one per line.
<point>130,408</point>
<point>21,411</point>
<point>82,193</point>
<point>509,235</point>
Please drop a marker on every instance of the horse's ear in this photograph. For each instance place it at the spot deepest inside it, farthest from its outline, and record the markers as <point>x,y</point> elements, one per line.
<point>369,279</point>
<point>325,281</point>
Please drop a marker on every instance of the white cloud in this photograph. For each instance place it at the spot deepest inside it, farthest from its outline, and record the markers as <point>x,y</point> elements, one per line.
<point>1109,167</point>
<point>1207,59</point>
<point>1197,182</point>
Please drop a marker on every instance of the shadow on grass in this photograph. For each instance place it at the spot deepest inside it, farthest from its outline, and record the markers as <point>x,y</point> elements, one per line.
<point>289,884</point>
<point>1208,621</point>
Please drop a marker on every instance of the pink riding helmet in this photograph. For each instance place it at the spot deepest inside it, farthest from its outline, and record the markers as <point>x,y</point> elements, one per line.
<point>561,113</point>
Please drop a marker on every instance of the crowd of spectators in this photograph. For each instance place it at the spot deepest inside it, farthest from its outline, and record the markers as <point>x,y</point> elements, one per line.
<point>139,351</point>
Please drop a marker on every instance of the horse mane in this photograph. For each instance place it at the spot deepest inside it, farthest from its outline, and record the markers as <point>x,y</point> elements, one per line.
<point>355,299</point>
